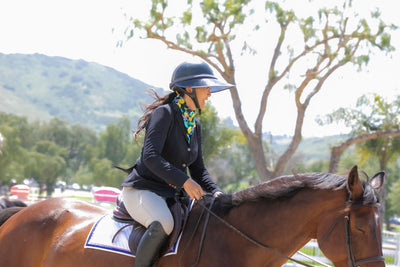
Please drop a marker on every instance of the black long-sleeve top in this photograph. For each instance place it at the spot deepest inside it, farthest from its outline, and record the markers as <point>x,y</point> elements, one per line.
<point>166,155</point>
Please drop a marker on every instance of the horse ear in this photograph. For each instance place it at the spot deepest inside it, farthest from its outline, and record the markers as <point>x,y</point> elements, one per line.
<point>377,180</point>
<point>354,184</point>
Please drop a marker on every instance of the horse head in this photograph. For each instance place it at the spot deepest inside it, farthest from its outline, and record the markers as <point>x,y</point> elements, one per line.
<point>352,236</point>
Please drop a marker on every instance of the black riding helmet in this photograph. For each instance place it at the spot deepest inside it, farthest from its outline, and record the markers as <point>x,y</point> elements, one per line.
<point>195,75</point>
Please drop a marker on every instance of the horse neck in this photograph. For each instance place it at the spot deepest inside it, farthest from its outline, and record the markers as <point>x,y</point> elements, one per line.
<point>285,224</point>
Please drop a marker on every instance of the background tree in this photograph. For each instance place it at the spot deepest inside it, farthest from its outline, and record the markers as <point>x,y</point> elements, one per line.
<point>48,164</point>
<point>54,150</point>
<point>81,138</point>
<point>375,125</point>
<point>57,131</point>
<point>393,199</point>
<point>384,117</point>
<point>133,151</point>
<point>103,173</point>
<point>113,142</point>
<point>13,154</point>
<point>1,143</point>
<point>232,167</point>
<point>332,38</point>
<point>215,135</point>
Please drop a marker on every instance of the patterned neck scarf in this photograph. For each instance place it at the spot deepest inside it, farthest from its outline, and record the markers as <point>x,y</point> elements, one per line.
<point>188,116</point>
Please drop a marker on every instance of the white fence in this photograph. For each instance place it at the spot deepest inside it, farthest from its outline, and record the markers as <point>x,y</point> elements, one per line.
<point>391,248</point>
<point>390,244</point>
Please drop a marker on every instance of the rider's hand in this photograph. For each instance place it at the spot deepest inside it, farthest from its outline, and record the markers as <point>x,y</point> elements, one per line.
<point>217,194</point>
<point>193,189</point>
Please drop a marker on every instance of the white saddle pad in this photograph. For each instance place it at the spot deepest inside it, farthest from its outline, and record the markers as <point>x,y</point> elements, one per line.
<point>101,235</point>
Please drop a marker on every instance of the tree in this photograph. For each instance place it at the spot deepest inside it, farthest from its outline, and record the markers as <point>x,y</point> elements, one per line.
<point>46,163</point>
<point>81,138</point>
<point>215,135</point>
<point>233,169</point>
<point>133,151</point>
<point>332,38</point>
<point>73,138</point>
<point>384,117</point>
<point>103,173</point>
<point>394,192</point>
<point>57,131</point>
<point>12,152</point>
<point>113,142</point>
<point>1,143</point>
<point>375,125</point>
<point>376,134</point>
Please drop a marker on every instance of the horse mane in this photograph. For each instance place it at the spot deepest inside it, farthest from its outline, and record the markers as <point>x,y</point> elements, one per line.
<point>288,186</point>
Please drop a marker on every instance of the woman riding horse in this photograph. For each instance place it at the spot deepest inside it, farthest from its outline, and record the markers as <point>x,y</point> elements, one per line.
<point>258,226</point>
<point>172,144</point>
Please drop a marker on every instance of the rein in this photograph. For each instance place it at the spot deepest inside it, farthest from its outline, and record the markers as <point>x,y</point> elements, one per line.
<point>202,234</point>
<point>257,243</point>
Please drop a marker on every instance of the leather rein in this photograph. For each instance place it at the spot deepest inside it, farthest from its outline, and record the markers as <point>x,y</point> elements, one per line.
<point>350,255</point>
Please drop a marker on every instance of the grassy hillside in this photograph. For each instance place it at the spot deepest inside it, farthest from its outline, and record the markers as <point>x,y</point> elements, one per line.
<point>39,87</point>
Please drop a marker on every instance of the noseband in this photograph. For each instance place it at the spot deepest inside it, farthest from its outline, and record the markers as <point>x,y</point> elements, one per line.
<point>350,255</point>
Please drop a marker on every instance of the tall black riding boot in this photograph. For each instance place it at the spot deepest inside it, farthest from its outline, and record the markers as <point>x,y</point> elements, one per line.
<point>150,245</point>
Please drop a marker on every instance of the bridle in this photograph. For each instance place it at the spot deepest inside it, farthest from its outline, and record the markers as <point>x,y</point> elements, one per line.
<point>352,262</point>
<point>350,255</point>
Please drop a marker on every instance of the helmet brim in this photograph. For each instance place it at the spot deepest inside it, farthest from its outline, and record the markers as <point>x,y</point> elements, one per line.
<point>214,84</point>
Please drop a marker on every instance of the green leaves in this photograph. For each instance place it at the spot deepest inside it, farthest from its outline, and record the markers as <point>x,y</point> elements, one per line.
<point>158,8</point>
<point>283,17</point>
<point>112,143</point>
<point>187,17</point>
<point>201,34</point>
<point>307,27</point>
<point>215,136</point>
<point>385,41</point>
<point>211,30</point>
<point>372,113</point>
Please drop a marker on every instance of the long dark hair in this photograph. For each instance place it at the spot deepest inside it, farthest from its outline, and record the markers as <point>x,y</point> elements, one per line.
<point>149,108</point>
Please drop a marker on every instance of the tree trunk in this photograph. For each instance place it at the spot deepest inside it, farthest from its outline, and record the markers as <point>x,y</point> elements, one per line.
<point>255,141</point>
<point>280,165</point>
<point>336,152</point>
<point>259,157</point>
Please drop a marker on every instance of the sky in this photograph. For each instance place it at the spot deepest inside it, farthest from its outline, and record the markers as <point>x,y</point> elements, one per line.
<point>90,30</point>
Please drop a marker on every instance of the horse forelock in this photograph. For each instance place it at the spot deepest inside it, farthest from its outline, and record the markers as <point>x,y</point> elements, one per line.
<point>287,186</point>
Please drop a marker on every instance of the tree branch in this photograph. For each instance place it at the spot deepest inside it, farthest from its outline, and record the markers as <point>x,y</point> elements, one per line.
<point>336,151</point>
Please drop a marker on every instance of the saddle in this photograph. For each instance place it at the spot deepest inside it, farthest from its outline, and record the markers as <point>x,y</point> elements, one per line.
<point>179,208</point>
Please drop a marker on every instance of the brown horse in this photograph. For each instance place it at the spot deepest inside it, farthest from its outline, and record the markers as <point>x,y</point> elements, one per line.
<point>254,228</point>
